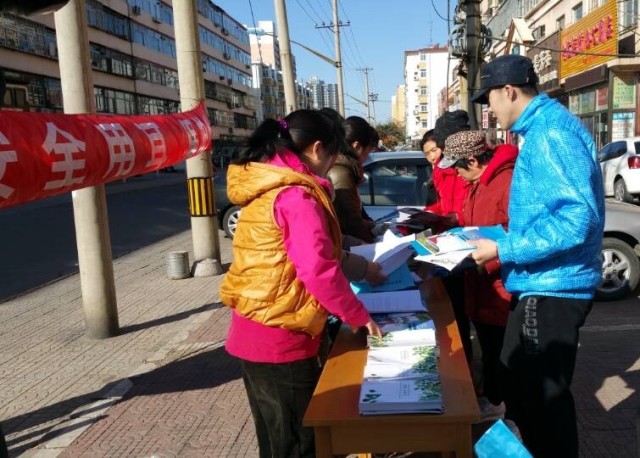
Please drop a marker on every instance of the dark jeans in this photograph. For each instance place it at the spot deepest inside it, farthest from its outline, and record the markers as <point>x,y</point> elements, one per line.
<point>454,284</point>
<point>539,352</point>
<point>490,338</point>
<point>4,453</point>
<point>278,396</point>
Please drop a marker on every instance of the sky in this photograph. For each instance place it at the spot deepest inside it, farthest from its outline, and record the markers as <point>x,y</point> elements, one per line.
<point>379,33</point>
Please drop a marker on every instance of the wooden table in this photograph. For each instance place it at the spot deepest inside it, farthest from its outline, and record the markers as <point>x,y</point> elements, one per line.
<point>341,430</point>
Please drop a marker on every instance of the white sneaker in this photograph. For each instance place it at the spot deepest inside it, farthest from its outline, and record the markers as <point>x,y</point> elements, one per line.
<point>490,411</point>
<point>513,428</point>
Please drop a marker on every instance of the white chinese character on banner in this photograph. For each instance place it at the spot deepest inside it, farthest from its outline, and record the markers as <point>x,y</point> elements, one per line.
<point>65,150</point>
<point>122,153</point>
<point>158,145</point>
<point>191,125</point>
<point>5,157</point>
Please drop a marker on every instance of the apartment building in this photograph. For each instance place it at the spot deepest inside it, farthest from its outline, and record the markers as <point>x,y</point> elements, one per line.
<point>133,55</point>
<point>423,81</point>
<point>585,56</point>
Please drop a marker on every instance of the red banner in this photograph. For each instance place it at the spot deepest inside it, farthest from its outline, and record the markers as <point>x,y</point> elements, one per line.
<point>44,154</point>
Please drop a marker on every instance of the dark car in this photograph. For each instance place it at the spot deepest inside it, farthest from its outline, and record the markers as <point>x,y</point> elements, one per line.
<point>228,213</point>
<point>399,179</point>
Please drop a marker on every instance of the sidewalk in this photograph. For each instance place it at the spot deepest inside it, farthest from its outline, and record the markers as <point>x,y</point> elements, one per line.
<point>177,382</point>
<point>165,386</point>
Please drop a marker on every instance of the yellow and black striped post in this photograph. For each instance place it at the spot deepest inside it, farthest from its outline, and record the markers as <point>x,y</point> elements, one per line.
<point>200,196</point>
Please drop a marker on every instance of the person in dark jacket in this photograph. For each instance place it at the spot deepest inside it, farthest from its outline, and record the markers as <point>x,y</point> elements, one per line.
<point>347,174</point>
<point>489,173</point>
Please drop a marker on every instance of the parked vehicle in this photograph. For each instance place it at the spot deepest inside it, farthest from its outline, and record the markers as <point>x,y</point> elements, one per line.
<point>620,163</point>
<point>387,187</point>
<point>228,213</point>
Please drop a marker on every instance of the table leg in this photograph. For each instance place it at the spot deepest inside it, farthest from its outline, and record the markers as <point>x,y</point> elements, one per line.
<point>323,442</point>
<point>465,445</point>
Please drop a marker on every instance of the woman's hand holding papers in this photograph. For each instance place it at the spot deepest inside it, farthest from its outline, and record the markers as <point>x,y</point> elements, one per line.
<point>374,275</point>
<point>372,328</point>
<point>486,251</point>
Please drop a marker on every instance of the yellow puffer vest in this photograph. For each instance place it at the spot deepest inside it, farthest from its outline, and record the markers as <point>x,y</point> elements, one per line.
<point>261,283</point>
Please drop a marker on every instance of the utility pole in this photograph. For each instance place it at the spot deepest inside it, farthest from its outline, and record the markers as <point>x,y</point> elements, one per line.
<point>373,98</point>
<point>89,204</point>
<point>474,57</point>
<point>204,226</point>
<point>338,61</point>
<point>366,71</point>
<point>285,57</point>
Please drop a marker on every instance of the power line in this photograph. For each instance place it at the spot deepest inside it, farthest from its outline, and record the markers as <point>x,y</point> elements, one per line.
<point>255,27</point>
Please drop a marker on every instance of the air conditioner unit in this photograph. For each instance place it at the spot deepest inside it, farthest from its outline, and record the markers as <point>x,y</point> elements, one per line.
<point>221,77</point>
<point>227,55</point>
<point>229,80</point>
<point>136,10</point>
<point>225,31</point>
<point>156,19</point>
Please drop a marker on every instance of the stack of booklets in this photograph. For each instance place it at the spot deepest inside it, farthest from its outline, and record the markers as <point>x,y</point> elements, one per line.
<point>401,373</point>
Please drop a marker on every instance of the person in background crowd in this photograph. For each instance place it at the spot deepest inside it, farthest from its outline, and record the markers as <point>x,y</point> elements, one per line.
<point>451,192</point>
<point>347,174</point>
<point>489,172</point>
<point>355,267</point>
<point>551,256</point>
<point>286,250</point>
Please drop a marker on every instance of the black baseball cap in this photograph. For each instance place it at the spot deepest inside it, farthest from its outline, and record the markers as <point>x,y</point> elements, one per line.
<point>508,69</point>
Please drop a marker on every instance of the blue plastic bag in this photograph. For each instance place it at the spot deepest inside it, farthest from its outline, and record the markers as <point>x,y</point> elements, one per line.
<point>498,441</point>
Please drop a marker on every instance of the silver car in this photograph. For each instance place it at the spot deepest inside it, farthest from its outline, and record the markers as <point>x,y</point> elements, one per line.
<point>401,179</point>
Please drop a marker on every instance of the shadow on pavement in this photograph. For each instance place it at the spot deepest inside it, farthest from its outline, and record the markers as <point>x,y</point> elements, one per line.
<point>195,373</point>
<point>168,319</point>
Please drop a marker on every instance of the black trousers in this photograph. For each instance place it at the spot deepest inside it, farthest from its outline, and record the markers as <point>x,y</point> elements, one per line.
<point>4,452</point>
<point>278,396</point>
<point>539,353</point>
<point>490,338</point>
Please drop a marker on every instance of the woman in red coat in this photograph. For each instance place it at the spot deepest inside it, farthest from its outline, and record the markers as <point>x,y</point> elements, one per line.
<point>489,173</point>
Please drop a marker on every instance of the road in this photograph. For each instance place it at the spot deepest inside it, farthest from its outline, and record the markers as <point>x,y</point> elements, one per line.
<point>38,239</point>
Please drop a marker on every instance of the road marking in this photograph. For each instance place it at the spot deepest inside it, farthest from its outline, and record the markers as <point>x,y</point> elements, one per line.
<point>617,327</point>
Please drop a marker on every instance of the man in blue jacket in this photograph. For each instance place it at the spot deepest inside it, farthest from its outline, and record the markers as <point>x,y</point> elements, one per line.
<point>551,257</point>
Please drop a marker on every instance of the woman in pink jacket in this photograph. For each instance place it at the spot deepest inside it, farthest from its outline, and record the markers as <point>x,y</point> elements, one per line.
<point>285,276</point>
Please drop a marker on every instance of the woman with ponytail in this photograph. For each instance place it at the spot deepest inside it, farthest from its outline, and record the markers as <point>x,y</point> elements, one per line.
<point>285,277</point>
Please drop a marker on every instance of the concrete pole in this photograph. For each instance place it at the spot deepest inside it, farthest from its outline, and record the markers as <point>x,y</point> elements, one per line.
<point>474,28</point>
<point>336,34</point>
<point>89,204</point>
<point>285,57</point>
<point>204,226</point>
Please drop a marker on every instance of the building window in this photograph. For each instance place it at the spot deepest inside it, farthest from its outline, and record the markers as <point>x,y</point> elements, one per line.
<point>539,32</point>
<point>576,12</point>
<point>423,56</point>
<point>424,124</point>
<point>560,22</point>
<point>628,13</point>
<point>423,90</point>
<point>423,108</point>
<point>423,73</point>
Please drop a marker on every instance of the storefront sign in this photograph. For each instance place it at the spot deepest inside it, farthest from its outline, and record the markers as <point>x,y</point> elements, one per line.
<point>622,125</point>
<point>42,154</point>
<point>602,98</point>
<point>590,41</point>
<point>624,93</point>
<point>547,62</point>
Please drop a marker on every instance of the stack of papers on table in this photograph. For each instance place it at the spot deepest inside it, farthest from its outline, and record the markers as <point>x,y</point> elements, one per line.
<point>393,301</point>
<point>392,252</point>
<point>401,373</point>
<point>401,380</point>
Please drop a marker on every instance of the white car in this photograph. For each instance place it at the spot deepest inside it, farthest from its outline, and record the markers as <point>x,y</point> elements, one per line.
<point>620,163</point>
